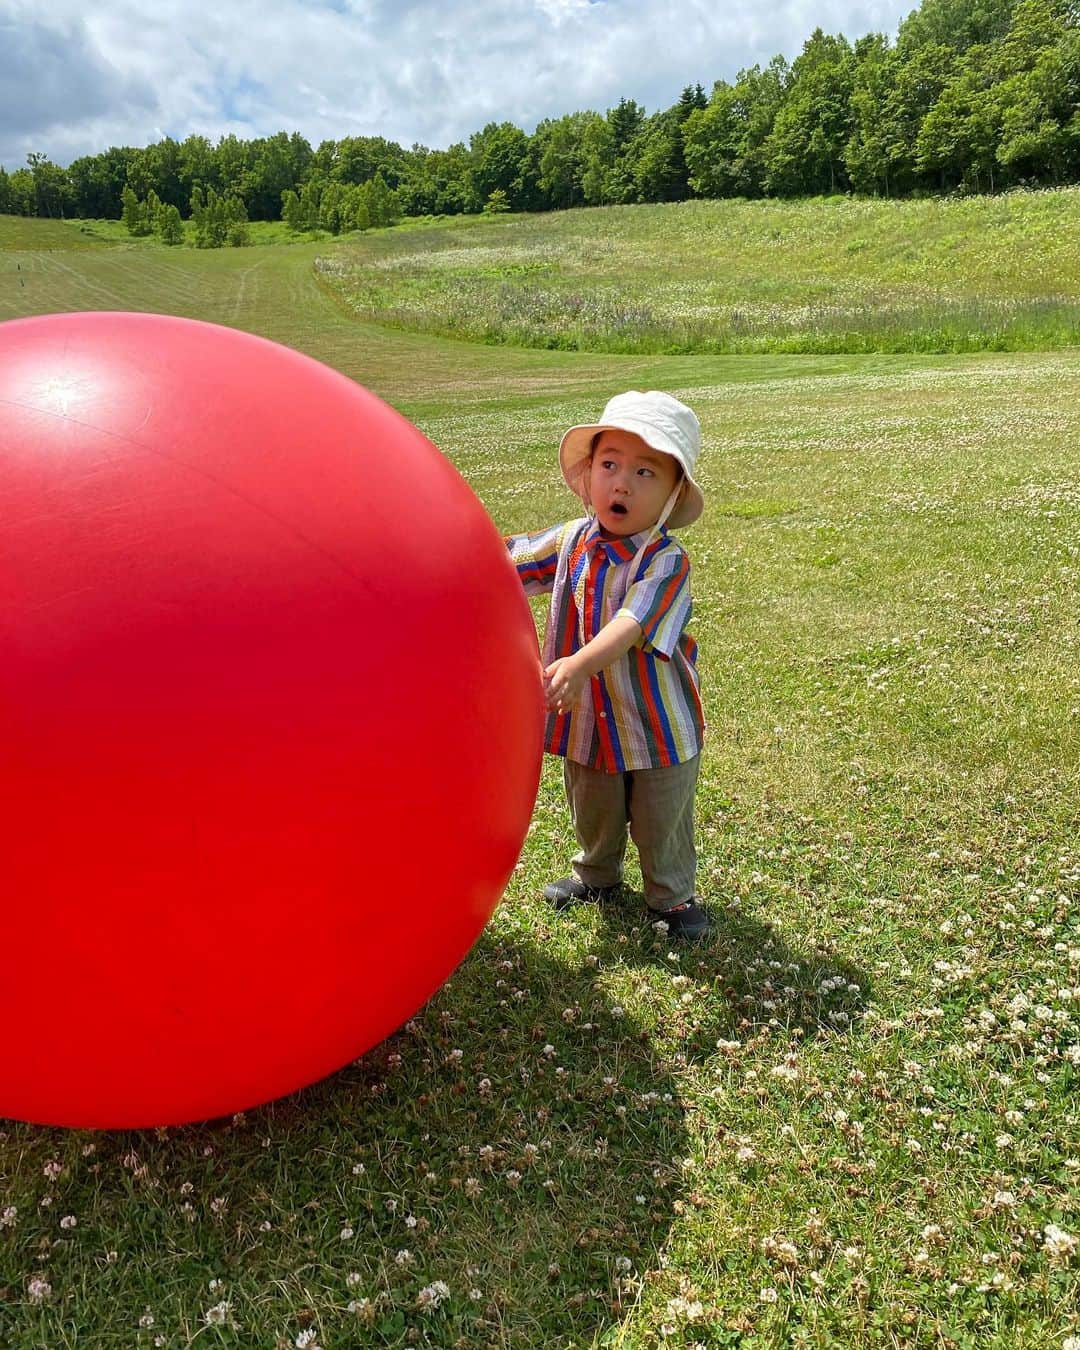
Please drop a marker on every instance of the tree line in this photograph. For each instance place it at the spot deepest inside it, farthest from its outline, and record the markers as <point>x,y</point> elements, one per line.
<point>973,95</point>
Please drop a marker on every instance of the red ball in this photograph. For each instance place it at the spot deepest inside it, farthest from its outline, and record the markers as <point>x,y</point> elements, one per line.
<point>270,718</point>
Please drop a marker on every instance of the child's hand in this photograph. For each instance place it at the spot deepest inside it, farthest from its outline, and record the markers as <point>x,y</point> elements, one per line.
<point>563,682</point>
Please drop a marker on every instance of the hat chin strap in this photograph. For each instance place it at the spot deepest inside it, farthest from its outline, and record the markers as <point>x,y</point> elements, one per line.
<point>661,519</point>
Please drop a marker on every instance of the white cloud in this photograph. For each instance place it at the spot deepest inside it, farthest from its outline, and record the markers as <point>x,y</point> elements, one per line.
<point>83,75</point>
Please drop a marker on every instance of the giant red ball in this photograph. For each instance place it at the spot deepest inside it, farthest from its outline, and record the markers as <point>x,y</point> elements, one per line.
<point>270,719</point>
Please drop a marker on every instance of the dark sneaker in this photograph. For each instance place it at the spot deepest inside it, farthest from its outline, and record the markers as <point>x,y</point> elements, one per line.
<point>570,891</point>
<point>688,921</point>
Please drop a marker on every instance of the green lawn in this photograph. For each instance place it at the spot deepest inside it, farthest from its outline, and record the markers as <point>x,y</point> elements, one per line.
<point>851,1118</point>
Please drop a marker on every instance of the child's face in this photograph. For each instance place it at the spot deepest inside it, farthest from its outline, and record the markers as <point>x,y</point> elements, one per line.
<point>629,482</point>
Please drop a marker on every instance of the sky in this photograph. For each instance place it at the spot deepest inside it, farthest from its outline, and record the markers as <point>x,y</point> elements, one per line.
<point>77,76</point>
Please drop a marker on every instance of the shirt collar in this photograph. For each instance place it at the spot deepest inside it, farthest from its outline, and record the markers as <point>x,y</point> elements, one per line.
<point>621,549</point>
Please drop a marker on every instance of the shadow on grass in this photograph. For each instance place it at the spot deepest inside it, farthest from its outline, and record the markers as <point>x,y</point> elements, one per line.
<point>754,977</point>
<point>501,1171</point>
<point>491,1174</point>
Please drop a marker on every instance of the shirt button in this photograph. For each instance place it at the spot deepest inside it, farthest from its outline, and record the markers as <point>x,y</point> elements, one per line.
<point>603,714</point>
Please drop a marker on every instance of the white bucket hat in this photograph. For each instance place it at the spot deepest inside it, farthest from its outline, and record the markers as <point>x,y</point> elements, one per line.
<point>664,424</point>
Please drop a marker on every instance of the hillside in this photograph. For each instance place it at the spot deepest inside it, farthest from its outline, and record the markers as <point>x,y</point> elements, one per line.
<point>31,233</point>
<point>818,275</point>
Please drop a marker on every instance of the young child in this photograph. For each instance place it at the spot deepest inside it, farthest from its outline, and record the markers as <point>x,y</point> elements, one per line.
<point>624,708</point>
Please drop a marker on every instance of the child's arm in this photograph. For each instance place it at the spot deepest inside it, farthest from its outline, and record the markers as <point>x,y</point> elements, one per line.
<point>565,678</point>
<point>536,558</point>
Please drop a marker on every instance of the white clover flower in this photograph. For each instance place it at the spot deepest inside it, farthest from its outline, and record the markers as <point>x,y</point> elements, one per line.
<point>218,1315</point>
<point>306,1340</point>
<point>432,1295</point>
<point>1058,1244</point>
<point>69,1221</point>
<point>768,1294</point>
<point>9,1216</point>
<point>38,1289</point>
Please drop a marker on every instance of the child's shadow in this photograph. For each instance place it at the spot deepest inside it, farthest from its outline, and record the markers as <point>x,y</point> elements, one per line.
<point>756,979</point>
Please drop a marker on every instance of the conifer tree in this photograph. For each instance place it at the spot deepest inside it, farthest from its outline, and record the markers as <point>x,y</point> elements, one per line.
<point>172,227</point>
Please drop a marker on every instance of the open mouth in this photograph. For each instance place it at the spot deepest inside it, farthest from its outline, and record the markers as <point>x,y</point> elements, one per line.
<point>618,509</point>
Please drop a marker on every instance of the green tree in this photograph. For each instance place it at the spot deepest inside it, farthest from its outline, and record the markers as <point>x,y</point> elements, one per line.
<point>52,190</point>
<point>958,139</point>
<point>659,168</point>
<point>291,210</point>
<point>97,183</point>
<point>436,182</point>
<point>310,196</point>
<point>496,204</point>
<point>597,151</point>
<point>1038,93</point>
<point>210,216</point>
<point>332,207</point>
<point>627,123</point>
<point>867,156</point>
<point>172,227</point>
<point>380,202</point>
<point>918,80</point>
<point>956,24</point>
<point>723,141</point>
<point>135,217</point>
<point>357,216</point>
<point>237,229</point>
<point>197,168</point>
<point>154,210</point>
<point>804,152</point>
<point>561,146</point>
<point>23,192</point>
<point>233,161</point>
<point>158,168</point>
<point>691,100</point>
<point>359,158</point>
<point>278,164</point>
<point>498,158</point>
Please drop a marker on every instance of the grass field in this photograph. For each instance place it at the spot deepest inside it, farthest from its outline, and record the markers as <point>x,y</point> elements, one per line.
<point>834,275</point>
<point>849,1119</point>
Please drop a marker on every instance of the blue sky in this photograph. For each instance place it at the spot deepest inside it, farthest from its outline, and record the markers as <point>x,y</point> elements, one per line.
<point>77,76</point>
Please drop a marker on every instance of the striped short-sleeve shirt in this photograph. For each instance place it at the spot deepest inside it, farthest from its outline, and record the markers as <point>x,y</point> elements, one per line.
<point>644,710</point>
